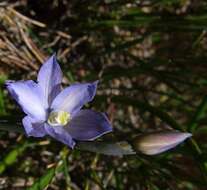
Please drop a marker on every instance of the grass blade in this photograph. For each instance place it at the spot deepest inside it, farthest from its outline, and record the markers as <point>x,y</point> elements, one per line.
<point>12,157</point>
<point>43,181</point>
<point>199,114</point>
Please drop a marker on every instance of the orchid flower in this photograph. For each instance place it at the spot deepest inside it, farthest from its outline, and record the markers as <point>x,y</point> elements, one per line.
<point>55,112</point>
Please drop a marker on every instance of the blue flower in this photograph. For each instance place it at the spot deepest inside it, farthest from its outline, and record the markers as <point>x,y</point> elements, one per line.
<point>55,112</point>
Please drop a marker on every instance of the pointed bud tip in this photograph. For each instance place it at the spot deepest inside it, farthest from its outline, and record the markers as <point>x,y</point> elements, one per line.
<point>158,142</point>
<point>187,135</point>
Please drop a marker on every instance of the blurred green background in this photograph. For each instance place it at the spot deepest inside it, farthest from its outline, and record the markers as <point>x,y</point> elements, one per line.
<point>151,60</point>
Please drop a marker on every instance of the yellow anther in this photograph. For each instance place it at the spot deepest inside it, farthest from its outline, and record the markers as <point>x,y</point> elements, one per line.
<point>58,118</point>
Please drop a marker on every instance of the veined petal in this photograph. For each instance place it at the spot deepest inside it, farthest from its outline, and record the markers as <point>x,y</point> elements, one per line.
<point>49,79</point>
<point>60,134</point>
<point>74,97</point>
<point>29,96</point>
<point>32,128</point>
<point>88,125</point>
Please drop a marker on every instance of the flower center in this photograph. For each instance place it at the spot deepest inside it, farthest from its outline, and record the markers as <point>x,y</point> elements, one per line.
<point>58,118</point>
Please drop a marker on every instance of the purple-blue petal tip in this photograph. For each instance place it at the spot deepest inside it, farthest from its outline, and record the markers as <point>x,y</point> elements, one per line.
<point>92,89</point>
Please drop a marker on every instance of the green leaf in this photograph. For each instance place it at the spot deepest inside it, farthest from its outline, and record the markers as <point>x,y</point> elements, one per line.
<point>43,181</point>
<point>2,103</point>
<point>2,96</point>
<point>199,114</point>
<point>12,157</point>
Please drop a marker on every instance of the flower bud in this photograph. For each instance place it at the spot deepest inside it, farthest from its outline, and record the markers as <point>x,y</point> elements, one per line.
<point>158,142</point>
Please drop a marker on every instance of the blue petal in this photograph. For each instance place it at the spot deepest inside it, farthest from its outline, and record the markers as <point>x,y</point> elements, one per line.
<point>32,128</point>
<point>88,125</point>
<point>49,79</point>
<point>74,97</point>
<point>60,134</point>
<point>29,96</point>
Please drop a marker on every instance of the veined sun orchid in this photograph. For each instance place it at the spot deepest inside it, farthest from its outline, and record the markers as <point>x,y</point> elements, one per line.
<point>55,112</point>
